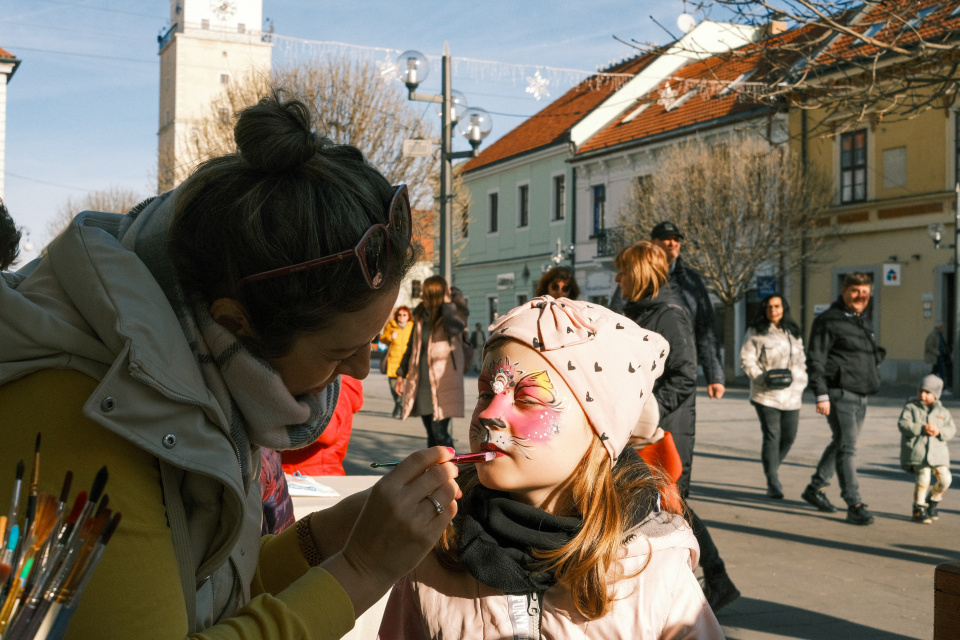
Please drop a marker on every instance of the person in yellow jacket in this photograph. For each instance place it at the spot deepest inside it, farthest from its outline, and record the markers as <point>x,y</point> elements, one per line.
<point>172,343</point>
<point>396,335</point>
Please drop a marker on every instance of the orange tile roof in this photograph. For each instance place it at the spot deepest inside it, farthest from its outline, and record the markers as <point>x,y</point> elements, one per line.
<point>936,26</point>
<point>553,123</point>
<point>6,54</point>
<point>708,102</point>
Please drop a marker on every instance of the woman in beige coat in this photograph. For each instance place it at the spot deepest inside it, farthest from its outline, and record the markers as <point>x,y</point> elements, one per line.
<point>430,376</point>
<point>773,342</point>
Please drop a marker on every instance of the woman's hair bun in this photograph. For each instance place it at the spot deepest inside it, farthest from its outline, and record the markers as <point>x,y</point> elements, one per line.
<point>276,135</point>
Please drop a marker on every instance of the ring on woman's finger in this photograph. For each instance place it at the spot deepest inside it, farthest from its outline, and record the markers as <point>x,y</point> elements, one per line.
<point>436,505</point>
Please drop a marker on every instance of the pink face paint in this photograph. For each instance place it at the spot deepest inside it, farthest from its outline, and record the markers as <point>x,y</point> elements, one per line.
<point>515,409</point>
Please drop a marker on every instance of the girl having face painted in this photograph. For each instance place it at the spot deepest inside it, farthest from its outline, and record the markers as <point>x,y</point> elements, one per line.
<point>562,532</point>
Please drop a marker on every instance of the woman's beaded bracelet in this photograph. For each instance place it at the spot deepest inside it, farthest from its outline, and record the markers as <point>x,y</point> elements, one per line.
<point>307,546</point>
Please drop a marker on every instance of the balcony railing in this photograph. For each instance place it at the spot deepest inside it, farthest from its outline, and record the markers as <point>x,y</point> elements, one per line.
<point>610,241</point>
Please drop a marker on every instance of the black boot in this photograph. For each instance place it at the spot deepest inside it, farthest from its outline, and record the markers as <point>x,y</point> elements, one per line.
<point>719,590</point>
<point>398,410</point>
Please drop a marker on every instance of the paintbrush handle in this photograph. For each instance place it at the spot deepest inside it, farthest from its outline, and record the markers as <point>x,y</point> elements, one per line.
<point>461,458</point>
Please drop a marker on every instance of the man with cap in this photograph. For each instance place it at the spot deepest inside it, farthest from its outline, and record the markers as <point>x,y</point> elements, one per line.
<point>688,283</point>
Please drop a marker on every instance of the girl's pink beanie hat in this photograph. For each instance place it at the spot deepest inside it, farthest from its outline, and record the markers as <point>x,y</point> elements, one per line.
<point>606,359</point>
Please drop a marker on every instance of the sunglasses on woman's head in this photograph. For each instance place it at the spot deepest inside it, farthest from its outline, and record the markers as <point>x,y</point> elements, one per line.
<point>561,287</point>
<point>373,250</point>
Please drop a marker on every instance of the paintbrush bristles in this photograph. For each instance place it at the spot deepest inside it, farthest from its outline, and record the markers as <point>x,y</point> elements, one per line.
<point>98,484</point>
<point>65,491</point>
<point>45,521</point>
<point>20,468</point>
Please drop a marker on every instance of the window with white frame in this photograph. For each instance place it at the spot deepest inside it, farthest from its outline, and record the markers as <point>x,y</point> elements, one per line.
<point>523,205</point>
<point>599,206</point>
<point>853,166</point>
<point>493,212</point>
<point>493,309</point>
<point>559,197</point>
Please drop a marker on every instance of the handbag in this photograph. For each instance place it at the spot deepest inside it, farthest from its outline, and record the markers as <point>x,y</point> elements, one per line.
<point>781,378</point>
<point>383,360</point>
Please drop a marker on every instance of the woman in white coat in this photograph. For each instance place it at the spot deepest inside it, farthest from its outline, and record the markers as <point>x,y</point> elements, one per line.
<point>774,344</point>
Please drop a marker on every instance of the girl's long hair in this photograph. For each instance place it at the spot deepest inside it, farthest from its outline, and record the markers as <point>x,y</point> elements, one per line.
<point>646,264</point>
<point>431,299</point>
<point>761,323</point>
<point>605,498</point>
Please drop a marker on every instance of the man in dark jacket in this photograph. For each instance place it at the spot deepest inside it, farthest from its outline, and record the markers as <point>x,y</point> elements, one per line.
<point>688,283</point>
<point>842,360</point>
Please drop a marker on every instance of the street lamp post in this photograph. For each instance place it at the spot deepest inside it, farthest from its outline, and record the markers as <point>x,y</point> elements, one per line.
<point>475,123</point>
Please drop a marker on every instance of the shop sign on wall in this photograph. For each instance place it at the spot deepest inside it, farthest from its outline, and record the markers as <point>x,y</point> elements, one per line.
<point>891,275</point>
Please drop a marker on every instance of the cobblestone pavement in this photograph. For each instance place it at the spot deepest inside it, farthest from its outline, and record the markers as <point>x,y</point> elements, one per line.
<point>802,573</point>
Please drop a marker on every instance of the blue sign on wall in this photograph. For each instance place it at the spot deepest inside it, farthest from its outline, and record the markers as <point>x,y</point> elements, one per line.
<point>766,286</point>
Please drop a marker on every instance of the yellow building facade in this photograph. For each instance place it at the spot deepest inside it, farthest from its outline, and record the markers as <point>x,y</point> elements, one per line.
<point>893,178</point>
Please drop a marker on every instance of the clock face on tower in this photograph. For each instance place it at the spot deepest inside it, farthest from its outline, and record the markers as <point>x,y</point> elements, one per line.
<point>223,9</point>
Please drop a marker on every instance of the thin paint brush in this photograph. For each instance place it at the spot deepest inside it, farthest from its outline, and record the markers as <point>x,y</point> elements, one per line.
<point>67,528</point>
<point>99,482</point>
<point>57,528</point>
<point>104,501</point>
<point>462,458</point>
<point>6,558</point>
<point>15,500</point>
<point>34,487</point>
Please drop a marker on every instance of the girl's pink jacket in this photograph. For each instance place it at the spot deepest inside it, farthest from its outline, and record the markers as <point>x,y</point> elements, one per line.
<point>663,601</point>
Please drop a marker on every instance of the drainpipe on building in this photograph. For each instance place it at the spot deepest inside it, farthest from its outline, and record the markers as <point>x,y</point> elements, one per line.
<point>803,232</point>
<point>573,221</point>
<point>956,288</point>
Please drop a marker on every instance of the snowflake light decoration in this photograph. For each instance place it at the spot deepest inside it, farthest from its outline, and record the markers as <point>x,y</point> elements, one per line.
<point>538,85</point>
<point>667,96</point>
<point>388,70</point>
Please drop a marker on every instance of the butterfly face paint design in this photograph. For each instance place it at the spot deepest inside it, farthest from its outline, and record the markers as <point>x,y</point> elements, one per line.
<point>516,410</point>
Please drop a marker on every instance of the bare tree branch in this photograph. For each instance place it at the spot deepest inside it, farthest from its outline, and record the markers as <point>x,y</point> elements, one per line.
<point>744,207</point>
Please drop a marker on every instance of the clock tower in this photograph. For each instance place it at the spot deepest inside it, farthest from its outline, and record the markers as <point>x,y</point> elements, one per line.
<point>210,44</point>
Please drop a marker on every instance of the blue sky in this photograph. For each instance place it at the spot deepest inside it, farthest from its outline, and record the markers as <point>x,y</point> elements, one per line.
<point>82,107</point>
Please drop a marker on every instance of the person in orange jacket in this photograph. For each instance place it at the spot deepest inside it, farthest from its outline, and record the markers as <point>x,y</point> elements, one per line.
<point>325,456</point>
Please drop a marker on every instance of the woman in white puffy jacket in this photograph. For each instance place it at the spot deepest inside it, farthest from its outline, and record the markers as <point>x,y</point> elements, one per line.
<point>774,342</point>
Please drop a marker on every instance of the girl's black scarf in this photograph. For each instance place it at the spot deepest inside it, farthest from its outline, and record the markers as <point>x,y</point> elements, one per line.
<point>497,535</point>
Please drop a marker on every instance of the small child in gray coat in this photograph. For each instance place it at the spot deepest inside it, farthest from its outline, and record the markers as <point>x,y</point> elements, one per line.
<point>925,426</point>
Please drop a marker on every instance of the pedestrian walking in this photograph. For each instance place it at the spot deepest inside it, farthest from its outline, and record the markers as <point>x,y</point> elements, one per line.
<point>937,354</point>
<point>396,335</point>
<point>842,363</point>
<point>688,284</point>
<point>430,375</point>
<point>642,271</point>
<point>925,426</point>
<point>477,339</point>
<point>772,357</point>
<point>559,283</point>
<point>559,535</point>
